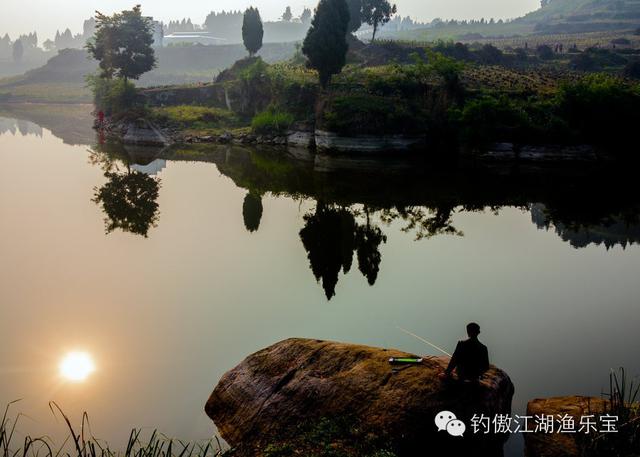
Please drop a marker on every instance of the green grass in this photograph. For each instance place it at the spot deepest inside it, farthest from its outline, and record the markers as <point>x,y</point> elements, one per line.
<point>271,121</point>
<point>335,437</point>
<point>200,120</point>
<point>82,443</point>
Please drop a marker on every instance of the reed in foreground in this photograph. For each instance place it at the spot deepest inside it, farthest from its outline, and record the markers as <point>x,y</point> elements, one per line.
<point>622,401</point>
<point>82,443</point>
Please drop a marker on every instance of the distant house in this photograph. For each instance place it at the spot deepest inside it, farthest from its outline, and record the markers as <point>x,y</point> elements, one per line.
<point>193,38</point>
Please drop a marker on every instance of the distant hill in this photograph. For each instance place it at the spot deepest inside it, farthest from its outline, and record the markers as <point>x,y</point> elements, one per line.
<point>576,16</point>
<point>62,78</point>
<point>554,17</point>
<point>586,10</point>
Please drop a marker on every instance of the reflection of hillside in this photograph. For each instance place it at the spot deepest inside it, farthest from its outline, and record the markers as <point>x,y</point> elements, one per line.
<point>355,199</point>
<point>616,229</point>
<point>15,126</point>
<point>425,196</point>
<point>71,123</point>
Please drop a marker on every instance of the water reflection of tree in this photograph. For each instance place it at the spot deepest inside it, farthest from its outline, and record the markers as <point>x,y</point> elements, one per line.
<point>368,239</point>
<point>425,222</point>
<point>331,235</point>
<point>581,228</point>
<point>129,201</point>
<point>252,211</point>
<point>129,197</point>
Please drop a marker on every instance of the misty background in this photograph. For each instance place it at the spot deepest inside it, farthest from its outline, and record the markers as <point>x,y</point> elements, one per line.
<point>22,17</point>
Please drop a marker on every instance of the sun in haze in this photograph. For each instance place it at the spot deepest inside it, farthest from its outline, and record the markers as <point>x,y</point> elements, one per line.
<point>76,366</point>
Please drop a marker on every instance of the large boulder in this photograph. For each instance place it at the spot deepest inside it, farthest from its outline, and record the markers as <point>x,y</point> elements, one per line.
<point>559,444</point>
<point>278,392</point>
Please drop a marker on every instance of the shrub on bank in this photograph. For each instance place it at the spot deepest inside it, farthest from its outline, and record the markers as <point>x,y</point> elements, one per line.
<point>632,70</point>
<point>272,122</point>
<point>113,96</point>
<point>596,109</point>
<point>595,59</point>
<point>601,109</point>
<point>488,119</point>
<point>372,114</point>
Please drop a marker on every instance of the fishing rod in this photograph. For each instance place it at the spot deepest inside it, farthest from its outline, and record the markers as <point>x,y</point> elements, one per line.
<point>424,341</point>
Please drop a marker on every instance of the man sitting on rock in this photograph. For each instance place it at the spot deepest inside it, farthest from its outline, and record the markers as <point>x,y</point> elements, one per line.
<point>471,358</point>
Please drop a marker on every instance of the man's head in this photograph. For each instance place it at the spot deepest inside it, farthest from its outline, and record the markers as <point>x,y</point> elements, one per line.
<point>473,330</point>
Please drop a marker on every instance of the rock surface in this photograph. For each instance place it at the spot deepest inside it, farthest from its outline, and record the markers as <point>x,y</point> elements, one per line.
<point>330,141</point>
<point>144,133</point>
<point>559,444</point>
<point>549,153</point>
<point>271,393</point>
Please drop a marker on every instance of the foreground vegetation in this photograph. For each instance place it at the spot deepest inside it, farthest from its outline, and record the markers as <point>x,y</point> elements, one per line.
<point>81,442</point>
<point>328,437</point>
<point>622,401</point>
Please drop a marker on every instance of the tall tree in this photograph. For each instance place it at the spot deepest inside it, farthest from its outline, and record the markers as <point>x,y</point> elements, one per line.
<point>287,15</point>
<point>355,15</point>
<point>122,44</point>
<point>252,31</point>
<point>5,46</point>
<point>88,28</point>
<point>48,45</point>
<point>305,16</point>
<point>18,51</point>
<point>377,13</point>
<point>325,44</point>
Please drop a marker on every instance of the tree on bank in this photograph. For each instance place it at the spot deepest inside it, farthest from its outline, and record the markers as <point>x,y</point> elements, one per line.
<point>305,17</point>
<point>355,15</point>
<point>325,44</point>
<point>18,51</point>
<point>287,15</point>
<point>377,13</point>
<point>122,44</point>
<point>252,31</point>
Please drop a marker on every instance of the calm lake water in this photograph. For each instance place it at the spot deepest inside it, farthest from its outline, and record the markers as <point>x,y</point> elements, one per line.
<point>244,248</point>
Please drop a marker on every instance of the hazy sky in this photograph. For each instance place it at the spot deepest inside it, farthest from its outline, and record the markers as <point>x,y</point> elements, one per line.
<point>45,16</point>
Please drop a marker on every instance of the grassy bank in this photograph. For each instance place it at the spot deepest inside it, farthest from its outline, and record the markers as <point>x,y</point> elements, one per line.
<point>198,120</point>
<point>59,92</point>
<point>453,94</point>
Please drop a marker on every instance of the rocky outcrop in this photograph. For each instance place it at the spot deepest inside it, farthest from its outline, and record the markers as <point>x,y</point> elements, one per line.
<point>143,133</point>
<point>301,135</point>
<point>559,444</point>
<point>330,141</point>
<point>549,153</point>
<point>276,392</point>
<point>200,94</point>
